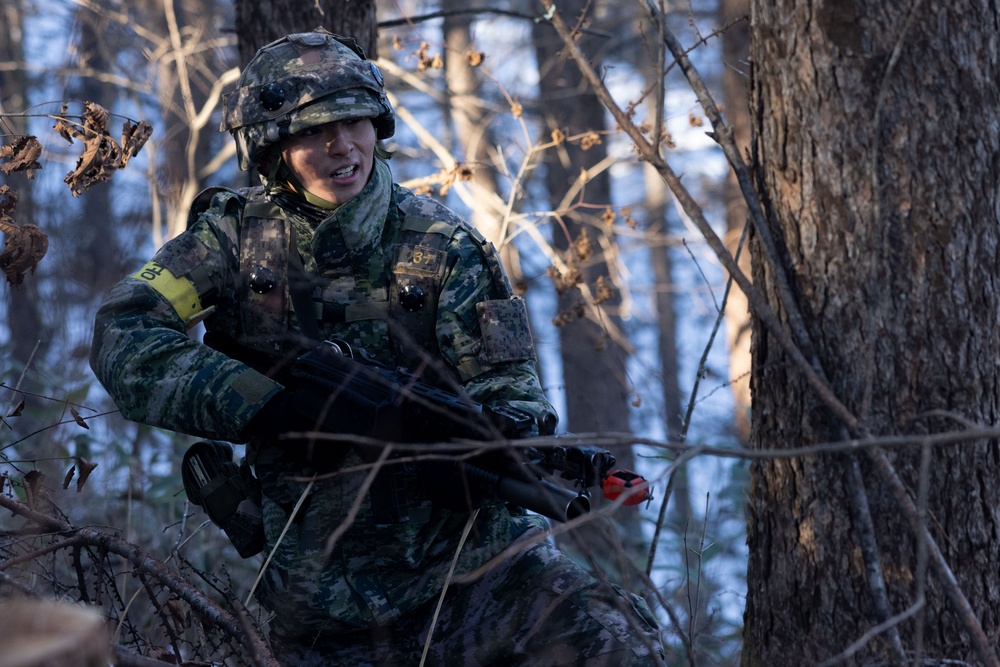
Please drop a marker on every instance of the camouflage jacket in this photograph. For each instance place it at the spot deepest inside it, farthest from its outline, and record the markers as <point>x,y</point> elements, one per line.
<point>161,376</point>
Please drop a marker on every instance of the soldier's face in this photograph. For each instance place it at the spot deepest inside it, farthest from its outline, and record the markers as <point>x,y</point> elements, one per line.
<point>332,161</point>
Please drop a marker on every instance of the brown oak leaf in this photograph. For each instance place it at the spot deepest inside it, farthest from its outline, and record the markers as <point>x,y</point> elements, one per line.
<point>16,412</point>
<point>32,482</point>
<point>24,248</point>
<point>134,137</point>
<point>102,155</point>
<point>86,467</point>
<point>78,419</point>
<point>8,202</point>
<point>21,155</point>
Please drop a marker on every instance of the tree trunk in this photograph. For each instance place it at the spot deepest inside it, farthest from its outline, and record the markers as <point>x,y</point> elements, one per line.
<point>877,144</point>
<point>29,333</point>
<point>259,23</point>
<point>475,134</point>
<point>733,17</point>
<point>596,386</point>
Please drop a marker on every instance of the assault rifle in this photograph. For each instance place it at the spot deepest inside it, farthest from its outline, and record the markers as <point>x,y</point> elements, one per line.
<point>365,397</point>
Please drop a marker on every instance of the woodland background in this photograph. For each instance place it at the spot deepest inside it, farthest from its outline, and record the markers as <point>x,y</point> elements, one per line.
<point>628,158</point>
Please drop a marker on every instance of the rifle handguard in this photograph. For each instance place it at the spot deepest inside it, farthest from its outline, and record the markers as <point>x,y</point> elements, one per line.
<point>332,377</point>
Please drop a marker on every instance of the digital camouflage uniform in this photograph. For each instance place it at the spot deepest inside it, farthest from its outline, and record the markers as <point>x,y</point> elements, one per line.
<point>371,598</point>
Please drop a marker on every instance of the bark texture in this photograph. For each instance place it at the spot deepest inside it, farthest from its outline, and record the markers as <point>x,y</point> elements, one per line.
<point>259,23</point>
<point>877,142</point>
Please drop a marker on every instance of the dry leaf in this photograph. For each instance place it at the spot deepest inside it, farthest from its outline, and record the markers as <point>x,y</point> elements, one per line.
<point>90,168</point>
<point>582,246</point>
<point>95,118</point>
<point>56,634</point>
<point>67,130</point>
<point>602,290</point>
<point>428,62</point>
<point>78,419</point>
<point>176,609</point>
<point>69,477</point>
<point>16,412</point>
<point>24,248</point>
<point>32,482</point>
<point>86,467</point>
<point>102,155</point>
<point>8,202</point>
<point>22,155</point>
<point>475,58</point>
<point>590,140</point>
<point>134,137</point>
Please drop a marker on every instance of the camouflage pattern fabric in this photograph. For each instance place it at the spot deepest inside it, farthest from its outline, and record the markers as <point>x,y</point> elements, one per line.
<point>378,575</point>
<point>536,608</point>
<point>300,81</point>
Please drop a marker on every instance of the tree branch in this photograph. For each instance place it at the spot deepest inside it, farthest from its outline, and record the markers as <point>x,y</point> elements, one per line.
<point>144,565</point>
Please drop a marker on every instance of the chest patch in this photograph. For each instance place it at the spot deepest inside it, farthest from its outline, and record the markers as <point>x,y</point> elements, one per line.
<point>419,259</point>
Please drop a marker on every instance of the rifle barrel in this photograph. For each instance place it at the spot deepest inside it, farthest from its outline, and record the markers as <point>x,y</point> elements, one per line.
<point>543,497</point>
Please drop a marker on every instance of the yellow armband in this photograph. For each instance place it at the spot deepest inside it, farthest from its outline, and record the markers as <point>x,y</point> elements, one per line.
<point>180,292</point>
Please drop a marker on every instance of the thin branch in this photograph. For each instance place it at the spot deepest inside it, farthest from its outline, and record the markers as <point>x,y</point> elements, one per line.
<point>144,565</point>
<point>756,300</point>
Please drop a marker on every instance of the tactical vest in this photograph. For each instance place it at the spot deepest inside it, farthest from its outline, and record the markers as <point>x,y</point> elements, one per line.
<point>274,285</point>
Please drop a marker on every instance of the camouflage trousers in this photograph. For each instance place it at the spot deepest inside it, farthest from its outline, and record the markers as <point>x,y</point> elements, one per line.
<point>536,608</point>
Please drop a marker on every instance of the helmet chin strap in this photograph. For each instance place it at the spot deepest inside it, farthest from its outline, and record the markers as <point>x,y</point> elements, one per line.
<point>280,177</point>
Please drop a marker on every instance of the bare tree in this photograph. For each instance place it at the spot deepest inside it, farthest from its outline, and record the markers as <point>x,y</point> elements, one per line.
<point>474,131</point>
<point>592,346</point>
<point>734,21</point>
<point>28,329</point>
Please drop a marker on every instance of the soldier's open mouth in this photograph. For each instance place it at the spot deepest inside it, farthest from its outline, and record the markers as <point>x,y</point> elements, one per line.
<point>347,172</point>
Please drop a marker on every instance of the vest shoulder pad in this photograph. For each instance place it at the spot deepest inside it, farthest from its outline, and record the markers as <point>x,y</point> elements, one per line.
<point>223,200</point>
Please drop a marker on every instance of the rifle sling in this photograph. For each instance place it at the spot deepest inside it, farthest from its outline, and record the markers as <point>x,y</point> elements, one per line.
<point>300,291</point>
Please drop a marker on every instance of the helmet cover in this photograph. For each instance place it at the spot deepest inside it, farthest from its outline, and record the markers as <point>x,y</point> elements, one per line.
<point>301,81</point>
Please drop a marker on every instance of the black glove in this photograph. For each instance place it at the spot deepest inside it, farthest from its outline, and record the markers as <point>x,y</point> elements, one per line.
<point>227,492</point>
<point>328,393</point>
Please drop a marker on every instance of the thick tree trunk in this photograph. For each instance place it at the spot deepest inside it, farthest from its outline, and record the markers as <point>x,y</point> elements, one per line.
<point>877,139</point>
<point>29,333</point>
<point>259,23</point>
<point>474,134</point>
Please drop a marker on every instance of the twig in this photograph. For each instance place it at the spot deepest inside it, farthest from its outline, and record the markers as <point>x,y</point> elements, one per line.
<point>142,565</point>
<point>447,583</point>
<point>284,530</point>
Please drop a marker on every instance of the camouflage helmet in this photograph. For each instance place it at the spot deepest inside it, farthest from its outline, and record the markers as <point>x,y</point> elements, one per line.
<point>300,81</point>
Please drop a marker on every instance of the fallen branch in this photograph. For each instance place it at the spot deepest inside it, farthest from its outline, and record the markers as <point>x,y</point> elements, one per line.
<point>142,565</point>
